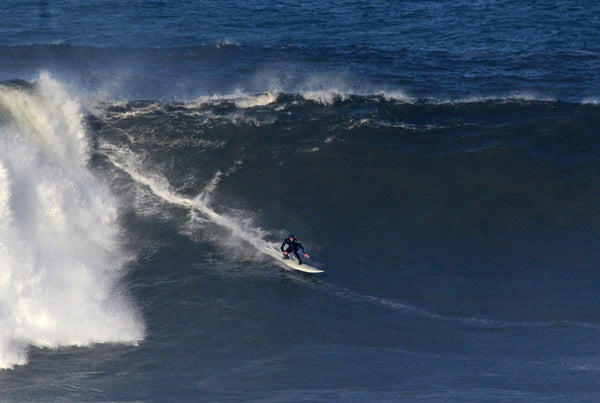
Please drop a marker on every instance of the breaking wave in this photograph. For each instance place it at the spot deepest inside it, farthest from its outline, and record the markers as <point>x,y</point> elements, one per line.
<point>60,260</point>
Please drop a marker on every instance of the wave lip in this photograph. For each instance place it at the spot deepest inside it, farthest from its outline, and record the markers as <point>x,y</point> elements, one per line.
<point>332,96</point>
<point>60,260</point>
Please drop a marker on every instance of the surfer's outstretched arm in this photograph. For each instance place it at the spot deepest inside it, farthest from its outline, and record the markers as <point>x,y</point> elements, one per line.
<point>303,251</point>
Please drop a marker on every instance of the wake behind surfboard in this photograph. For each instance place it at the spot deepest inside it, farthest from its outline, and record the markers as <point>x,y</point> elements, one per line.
<point>274,251</point>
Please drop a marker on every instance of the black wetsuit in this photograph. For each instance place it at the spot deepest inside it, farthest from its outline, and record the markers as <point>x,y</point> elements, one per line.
<point>292,247</point>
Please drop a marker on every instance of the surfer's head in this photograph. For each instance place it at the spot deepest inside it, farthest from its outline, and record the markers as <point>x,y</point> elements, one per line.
<point>291,237</point>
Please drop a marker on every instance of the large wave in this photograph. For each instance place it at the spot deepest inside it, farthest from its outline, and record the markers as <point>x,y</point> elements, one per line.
<point>60,261</point>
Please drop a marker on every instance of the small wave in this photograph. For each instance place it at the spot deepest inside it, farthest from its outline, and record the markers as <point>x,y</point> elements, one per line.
<point>234,105</point>
<point>331,96</point>
<point>325,97</point>
<point>591,101</point>
<point>206,112</point>
<point>227,43</point>
<point>238,98</point>
<point>478,99</point>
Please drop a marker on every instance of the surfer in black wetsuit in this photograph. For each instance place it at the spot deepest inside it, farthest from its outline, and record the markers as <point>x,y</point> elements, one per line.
<point>291,245</point>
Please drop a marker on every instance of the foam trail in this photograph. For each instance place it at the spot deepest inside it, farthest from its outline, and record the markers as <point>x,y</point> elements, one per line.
<point>131,164</point>
<point>60,262</point>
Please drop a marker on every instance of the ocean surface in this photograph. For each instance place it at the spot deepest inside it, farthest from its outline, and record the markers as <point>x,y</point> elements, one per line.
<point>439,159</point>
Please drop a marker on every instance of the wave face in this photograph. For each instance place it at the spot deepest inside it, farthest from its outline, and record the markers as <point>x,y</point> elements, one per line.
<point>461,187</point>
<point>449,232</point>
<point>60,258</point>
<point>436,222</point>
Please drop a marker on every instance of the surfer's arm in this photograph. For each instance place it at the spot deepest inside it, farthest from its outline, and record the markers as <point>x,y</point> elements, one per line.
<point>303,251</point>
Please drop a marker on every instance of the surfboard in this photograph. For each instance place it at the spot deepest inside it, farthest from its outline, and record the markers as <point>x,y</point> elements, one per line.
<point>275,252</point>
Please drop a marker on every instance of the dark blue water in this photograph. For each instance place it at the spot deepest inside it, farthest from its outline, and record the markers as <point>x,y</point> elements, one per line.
<point>439,160</point>
<point>427,49</point>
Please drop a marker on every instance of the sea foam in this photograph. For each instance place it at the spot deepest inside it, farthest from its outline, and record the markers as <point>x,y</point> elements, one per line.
<point>60,261</point>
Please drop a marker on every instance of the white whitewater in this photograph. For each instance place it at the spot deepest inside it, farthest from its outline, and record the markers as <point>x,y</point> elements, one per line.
<point>60,261</point>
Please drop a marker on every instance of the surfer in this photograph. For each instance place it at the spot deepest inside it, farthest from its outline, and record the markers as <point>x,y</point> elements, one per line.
<point>291,245</point>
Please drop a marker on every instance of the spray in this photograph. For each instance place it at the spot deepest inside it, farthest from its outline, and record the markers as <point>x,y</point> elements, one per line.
<point>60,262</point>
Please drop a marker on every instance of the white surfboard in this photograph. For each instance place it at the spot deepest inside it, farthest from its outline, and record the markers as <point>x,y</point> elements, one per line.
<point>275,252</point>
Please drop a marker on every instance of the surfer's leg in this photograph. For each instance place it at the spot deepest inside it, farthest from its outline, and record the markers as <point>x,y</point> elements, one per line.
<point>298,257</point>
